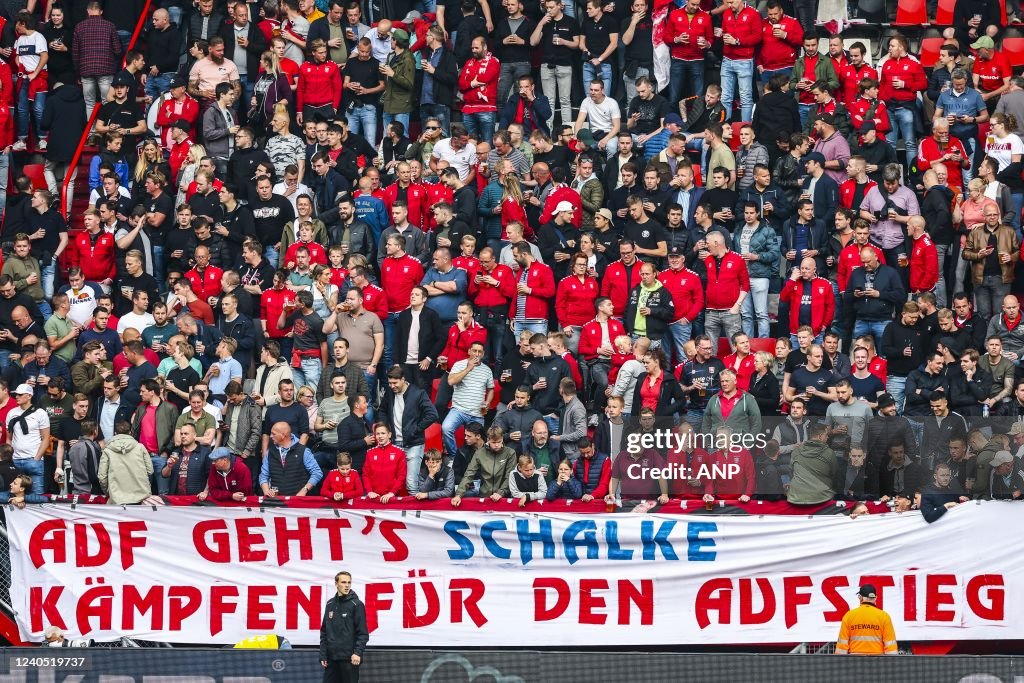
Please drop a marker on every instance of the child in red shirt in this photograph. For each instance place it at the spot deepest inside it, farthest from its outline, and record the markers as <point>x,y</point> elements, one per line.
<point>343,482</point>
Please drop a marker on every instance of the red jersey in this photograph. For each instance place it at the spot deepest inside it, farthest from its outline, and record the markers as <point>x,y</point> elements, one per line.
<point>319,85</point>
<point>95,256</point>
<point>908,70</point>
<point>929,151</point>
<point>745,26</point>
<point>397,277</point>
<point>317,255</point>
<point>687,292</point>
<point>592,336</point>
<point>482,97</point>
<point>618,281</point>
<point>574,300</point>
<point>849,259</point>
<point>693,26</point>
<point>541,282</point>
<point>348,485</point>
<point>459,341</point>
<point>822,303</point>
<point>744,368</point>
<point>416,198</point>
<point>848,193</point>
<point>375,302</point>
<point>207,283</point>
<point>486,295</point>
<point>271,304</point>
<point>850,77</point>
<point>991,72</point>
<point>470,264</point>
<point>384,470</point>
<point>861,107</point>
<point>924,265</point>
<point>726,282</point>
<point>778,52</point>
<point>740,484</point>
<point>172,111</point>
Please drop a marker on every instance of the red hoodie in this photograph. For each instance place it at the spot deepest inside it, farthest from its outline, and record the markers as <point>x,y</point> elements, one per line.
<point>780,53</point>
<point>482,97</point>
<point>745,26</point>
<point>319,85</point>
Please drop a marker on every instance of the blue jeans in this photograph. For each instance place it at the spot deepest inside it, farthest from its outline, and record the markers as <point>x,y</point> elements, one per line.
<point>456,418</point>
<point>44,308</point>
<point>755,308</point>
<point>310,372</point>
<point>1017,199</point>
<point>630,83</point>
<point>592,73</point>
<point>5,359</point>
<point>440,111</point>
<point>804,109</point>
<point>770,74</point>
<point>388,118</point>
<point>480,125</point>
<point>158,483</point>
<point>686,80</point>
<point>160,267</point>
<point>125,37</point>
<point>741,72</point>
<point>25,113</point>
<point>270,253</point>
<point>34,469</point>
<point>413,461</point>
<point>902,120</point>
<point>897,386</point>
<point>389,339</point>
<point>157,85</point>
<point>49,277</point>
<point>248,86</point>
<point>553,423</point>
<point>873,327</point>
<point>837,319</point>
<point>362,120</point>
<point>677,334</point>
<point>695,416</point>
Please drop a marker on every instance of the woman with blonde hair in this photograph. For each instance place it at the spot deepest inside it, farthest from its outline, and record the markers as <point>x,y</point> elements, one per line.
<point>1007,149</point>
<point>271,87</point>
<point>188,171</point>
<point>151,158</point>
<point>764,386</point>
<point>511,204</point>
<point>284,148</point>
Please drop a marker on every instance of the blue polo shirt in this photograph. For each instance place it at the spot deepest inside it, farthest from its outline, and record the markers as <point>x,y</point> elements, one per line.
<point>447,305</point>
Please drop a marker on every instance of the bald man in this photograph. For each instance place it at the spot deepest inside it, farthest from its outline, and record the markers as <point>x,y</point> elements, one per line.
<point>924,258</point>
<point>811,300</point>
<point>1008,328</point>
<point>872,294</point>
<point>289,468</point>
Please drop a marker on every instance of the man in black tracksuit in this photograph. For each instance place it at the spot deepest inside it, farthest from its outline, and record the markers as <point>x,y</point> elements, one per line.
<point>343,633</point>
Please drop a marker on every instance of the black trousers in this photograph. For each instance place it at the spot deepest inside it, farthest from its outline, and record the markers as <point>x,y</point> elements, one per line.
<point>341,671</point>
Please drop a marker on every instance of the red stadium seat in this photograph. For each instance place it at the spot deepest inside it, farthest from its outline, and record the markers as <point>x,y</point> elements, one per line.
<point>734,142</point>
<point>930,51</point>
<point>724,347</point>
<point>762,344</point>
<point>35,174</point>
<point>1013,48</point>
<point>911,13</point>
<point>432,438</point>
<point>944,15</point>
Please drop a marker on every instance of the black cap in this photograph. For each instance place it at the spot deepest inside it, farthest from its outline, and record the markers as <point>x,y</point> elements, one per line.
<point>866,126</point>
<point>177,82</point>
<point>123,80</point>
<point>182,124</point>
<point>867,590</point>
<point>676,251</point>
<point>886,400</point>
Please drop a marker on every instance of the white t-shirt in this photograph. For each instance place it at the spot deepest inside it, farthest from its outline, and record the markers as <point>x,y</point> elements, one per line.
<point>83,303</point>
<point>599,116</point>
<point>132,319</point>
<point>1002,150</point>
<point>462,160</point>
<point>29,49</point>
<point>27,445</point>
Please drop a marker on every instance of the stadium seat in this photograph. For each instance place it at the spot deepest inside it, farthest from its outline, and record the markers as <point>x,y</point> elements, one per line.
<point>1013,48</point>
<point>911,13</point>
<point>35,174</point>
<point>762,344</point>
<point>724,347</point>
<point>930,51</point>
<point>734,142</point>
<point>432,438</point>
<point>944,14</point>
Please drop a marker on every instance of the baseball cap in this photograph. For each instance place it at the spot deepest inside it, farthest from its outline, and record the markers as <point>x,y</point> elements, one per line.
<point>564,206</point>
<point>1017,428</point>
<point>673,117</point>
<point>828,118</point>
<point>177,82</point>
<point>218,453</point>
<point>586,137</point>
<point>983,42</point>
<point>676,251</point>
<point>22,389</point>
<point>399,34</point>
<point>123,80</point>
<point>1000,458</point>
<point>867,591</point>
<point>866,126</point>
<point>607,213</point>
<point>886,400</point>
<point>815,156</point>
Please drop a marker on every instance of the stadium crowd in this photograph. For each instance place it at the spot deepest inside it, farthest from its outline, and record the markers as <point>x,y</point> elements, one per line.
<point>282,289</point>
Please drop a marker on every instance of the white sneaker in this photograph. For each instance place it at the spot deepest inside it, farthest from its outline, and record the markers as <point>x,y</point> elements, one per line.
<point>19,146</point>
<point>41,145</point>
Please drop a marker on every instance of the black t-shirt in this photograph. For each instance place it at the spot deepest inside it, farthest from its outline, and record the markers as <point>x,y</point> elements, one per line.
<point>598,34</point>
<point>365,74</point>
<point>798,359</point>
<point>566,29</point>
<point>126,115</point>
<point>295,415</point>
<point>640,52</point>
<point>720,198</point>
<point>183,379</point>
<point>205,205</point>
<point>307,330</point>
<point>645,235</point>
<point>68,429</point>
<point>179,239</point>
<point>652,111</point>
<point>270,217</point>
<point>161,204</point>
<point>510,54</point>
<point>866,388</point>
<point>558,156</point>
<point>821,380</point>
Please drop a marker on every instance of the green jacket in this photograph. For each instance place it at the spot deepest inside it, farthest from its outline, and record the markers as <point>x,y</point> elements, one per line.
<point>491,469</point>
<point>745,417</point>
<point>166,417</point>
<point>981,477</point>
<point>814,470</point>
<point>823,71</point>
<point>398,92</point>
<point>20,269</point>
<point>125,468</point>
<point>592,199</point>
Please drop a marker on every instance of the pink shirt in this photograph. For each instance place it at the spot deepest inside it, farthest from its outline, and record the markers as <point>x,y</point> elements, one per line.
<point>147,430</point>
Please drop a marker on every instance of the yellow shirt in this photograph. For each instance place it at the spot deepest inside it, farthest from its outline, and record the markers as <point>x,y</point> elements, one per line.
<point>866,630</point>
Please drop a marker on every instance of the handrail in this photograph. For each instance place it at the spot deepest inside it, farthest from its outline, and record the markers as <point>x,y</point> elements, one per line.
<point>143,16</point>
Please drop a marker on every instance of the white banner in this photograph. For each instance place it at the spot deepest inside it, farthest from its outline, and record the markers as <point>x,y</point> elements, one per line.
<point>217,575</point>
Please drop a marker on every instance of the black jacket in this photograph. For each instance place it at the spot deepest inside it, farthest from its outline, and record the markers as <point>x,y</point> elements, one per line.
<point>446,80</point>
<point>881,431</point>
<point>898,337</point>
<point>351,432</point>
<point>611,175</point>
<point>816,239</point>
<point>671,399</point>
<point>913,479</point>
<point>920,404</point>
<point>64,118</point>
<point>864,485</point>
<point>243,331</point>
<point>163,49</point>
<point>539,110</point>
<point>776,112</point>
<point>890,287</point>
<point>343,631</point>
<point>253,51</point>
<point>766,392</point>
<point>326,187</point>
<point>965,394</point>
<point>553,368</point>
<point>432,335</point>
<point>662,311</point>
<point>938,216</point>
<point>825,198</point>
<point>418,414</point>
